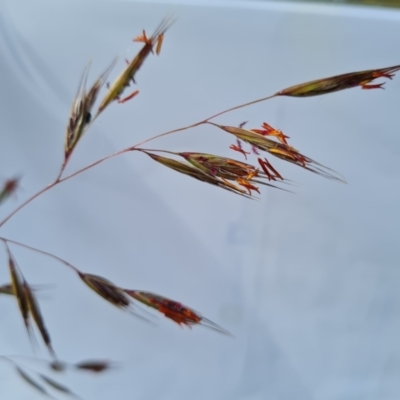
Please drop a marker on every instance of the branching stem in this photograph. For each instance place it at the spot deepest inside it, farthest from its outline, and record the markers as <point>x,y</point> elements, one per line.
<point>59,179</point>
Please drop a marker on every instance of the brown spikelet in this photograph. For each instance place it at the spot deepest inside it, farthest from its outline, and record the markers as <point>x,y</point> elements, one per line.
<point>174,310</point>
<point>81,110</point>
<point>281,150</point>
<point>226,168</point>
<point>110,292</point>
<point>197,173</point>
<point>37,317</point>
<point>21,296</point>
<point>106,289</point>
<point>94,365</point>
<point>340,82</point>
<point>9,187</point>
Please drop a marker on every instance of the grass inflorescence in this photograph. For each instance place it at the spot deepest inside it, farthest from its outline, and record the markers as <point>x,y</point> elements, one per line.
<point>244,178</point>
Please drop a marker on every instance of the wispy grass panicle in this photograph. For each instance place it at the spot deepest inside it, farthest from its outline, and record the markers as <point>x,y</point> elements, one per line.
<point>124,80</point>
<point>241,178</point>
<point>341,82</point>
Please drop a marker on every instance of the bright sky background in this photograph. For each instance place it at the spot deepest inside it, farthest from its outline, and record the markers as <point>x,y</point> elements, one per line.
<point>307,283</point>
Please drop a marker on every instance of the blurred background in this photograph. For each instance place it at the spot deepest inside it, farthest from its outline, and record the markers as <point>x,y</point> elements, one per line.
<point>307,282</point>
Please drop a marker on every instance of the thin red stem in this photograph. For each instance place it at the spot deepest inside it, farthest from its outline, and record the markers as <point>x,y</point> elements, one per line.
<point>130,148</point>
<point>33,197</point>
<point>241,106</point>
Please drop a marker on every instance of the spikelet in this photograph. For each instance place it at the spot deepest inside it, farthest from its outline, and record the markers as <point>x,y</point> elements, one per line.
<point>106,289</point>
<point>123,81</point>
<point>196,173</point>
<point>37,317</point>
<point>280,150</point>
<point>9,187</point>
<point>81,111</point>
<point>174,310</point>
<point>17,284</point>
<point>340,82</point>
<point>96,366</point>
<point>225,168</point>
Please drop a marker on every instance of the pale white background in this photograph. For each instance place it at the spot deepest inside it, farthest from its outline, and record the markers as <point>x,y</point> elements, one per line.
<point>307,283</point>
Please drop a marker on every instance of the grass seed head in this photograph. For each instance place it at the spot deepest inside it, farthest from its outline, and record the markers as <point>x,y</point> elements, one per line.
<point>18,289</point>
<point>259,141</point>
<point>94,365</point>
<point>106,289</point>
<point>340,82</point>
<point>280,150</point>
<point>170,308</point>
<point>173,310</point>
<point>225,168</point>
<point>9,188</point>
<point>124,80</point>
<point>222,167</point>
<point>38,318</point>
<point>197,173</point>
<point>81,110</point>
